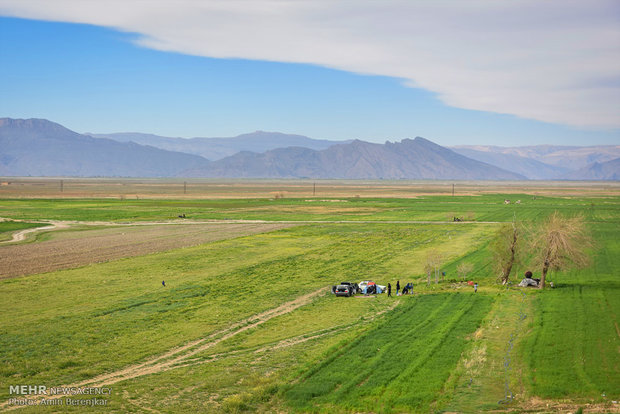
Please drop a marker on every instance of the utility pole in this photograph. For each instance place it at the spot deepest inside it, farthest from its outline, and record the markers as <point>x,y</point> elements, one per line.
<point>452,190</point>
<point>313,189</point>
<point>184,187</point>
<point>61,185</point>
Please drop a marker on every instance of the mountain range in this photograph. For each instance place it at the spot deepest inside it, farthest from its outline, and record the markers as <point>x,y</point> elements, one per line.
<point>409,159</point>
<point>546,162</point>
<point>37,147</point>
<point>218,148</point>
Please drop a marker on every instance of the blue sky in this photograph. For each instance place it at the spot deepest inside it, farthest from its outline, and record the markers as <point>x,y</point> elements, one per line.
<point>95,78</point>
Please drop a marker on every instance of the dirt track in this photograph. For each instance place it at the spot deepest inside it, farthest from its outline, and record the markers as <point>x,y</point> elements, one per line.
<point>21,235</point>
<point>179,356</point>
<point>185,355</point>
<point>74,249</point>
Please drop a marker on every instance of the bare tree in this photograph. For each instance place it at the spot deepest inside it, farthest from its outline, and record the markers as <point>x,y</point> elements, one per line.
<point>560,243</point>
<point>433,260</point>
<point>429,270</point>
<point>464,268</point>
<point>506,249</point>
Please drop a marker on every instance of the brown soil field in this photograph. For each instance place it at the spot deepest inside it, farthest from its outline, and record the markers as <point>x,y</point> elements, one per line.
<point>70,249</point>
<point>125,188</point>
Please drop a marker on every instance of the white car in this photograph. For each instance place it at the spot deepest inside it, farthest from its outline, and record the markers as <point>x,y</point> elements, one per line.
<point>364,284</point>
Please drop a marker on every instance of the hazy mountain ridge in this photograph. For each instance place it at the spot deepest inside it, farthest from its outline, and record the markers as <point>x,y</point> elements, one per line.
<point>547,162</point>
<point>37,147</point>
<point>528,167</point>
<point>217,148</point>
<point>408,159</point>
<point>554,155</point>
<point>608,170</point>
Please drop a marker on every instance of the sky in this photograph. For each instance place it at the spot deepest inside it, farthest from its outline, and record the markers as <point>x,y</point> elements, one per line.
<point>457,72</point>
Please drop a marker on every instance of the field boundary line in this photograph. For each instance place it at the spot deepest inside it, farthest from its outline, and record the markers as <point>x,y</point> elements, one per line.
<point>244,221</point>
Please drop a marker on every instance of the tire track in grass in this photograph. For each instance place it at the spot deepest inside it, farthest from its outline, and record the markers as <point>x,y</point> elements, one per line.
<point>287,342</point>
<point>176,356</point>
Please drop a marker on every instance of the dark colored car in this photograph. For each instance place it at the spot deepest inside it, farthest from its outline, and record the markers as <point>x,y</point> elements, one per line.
<point>345,289</point>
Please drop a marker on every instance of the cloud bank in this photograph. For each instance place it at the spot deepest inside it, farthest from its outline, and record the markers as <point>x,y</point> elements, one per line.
<point>555,61</point>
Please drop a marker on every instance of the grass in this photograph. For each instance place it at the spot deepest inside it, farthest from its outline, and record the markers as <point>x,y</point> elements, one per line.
<point>106,310</point>
<point>433,208</point>
<point>442,349</point>
<point>573,348</point>
<point>400,365</point>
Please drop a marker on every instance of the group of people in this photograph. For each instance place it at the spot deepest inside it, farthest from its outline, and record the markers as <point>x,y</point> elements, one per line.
<point>408,289</point>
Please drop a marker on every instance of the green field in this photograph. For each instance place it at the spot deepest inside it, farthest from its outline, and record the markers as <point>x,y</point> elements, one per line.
<point>248,324</point>
<point>433,208</point>
<point>400,365</point>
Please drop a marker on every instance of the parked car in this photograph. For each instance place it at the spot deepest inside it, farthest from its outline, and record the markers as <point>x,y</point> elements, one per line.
<point>345,289</point>
<point>374,288</point>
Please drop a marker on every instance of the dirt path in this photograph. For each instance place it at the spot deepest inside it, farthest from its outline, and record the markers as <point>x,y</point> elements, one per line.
<point>287,342</point>
<point>60,224</point>
<point>21,235</point>
<point>177,357</point>
<point>539,405</point>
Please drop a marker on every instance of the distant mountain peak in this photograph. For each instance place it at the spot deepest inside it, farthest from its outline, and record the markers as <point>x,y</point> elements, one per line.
<point>262,134</point>
<point>422,140</point>
<point>38,147</point>
<point>31,123</point>
<point>407,159</point>
<point>218,148</point>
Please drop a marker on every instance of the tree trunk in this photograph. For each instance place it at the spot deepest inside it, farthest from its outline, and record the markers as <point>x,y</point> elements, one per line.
<point>545,269</point>
<point>508,267</point>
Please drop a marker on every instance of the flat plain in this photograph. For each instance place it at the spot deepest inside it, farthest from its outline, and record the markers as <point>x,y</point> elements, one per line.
<point>247,323</point>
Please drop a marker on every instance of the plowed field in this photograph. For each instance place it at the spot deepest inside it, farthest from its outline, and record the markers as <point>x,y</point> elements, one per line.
<point>74,249</point>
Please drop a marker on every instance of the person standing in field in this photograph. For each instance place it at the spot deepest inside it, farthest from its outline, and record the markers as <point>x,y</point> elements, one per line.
<point>389,290</point>
<point>475,287</point>
<point>397,287</point>
<point>163,283</point>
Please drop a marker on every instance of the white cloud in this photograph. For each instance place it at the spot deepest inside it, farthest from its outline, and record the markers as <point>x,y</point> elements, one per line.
<point>551,60</point>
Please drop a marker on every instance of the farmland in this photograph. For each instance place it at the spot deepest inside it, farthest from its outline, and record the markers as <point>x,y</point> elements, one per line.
<point>246,322</point>
<point>70,249</point>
